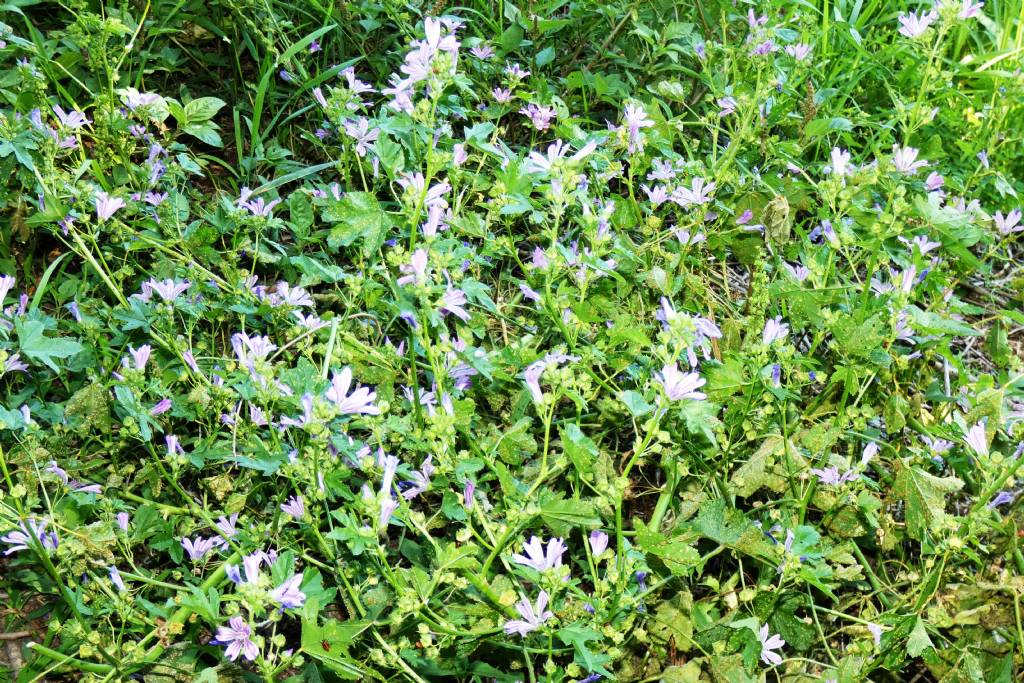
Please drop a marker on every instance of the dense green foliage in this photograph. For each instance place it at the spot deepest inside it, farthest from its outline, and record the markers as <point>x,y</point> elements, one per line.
<point>514,341</point>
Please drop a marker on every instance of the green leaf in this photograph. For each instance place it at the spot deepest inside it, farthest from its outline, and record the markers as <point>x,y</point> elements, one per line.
<point>578,636</point>
<point>337,636</point>
<point>924,496</point>
<point>358,215</point>
<point>202,109</point>
<point>677,553</point>
<point>580,449</point>
<point>206,131</point>
<point>918,641</point>
<point>38,347</point>
<point>636,404</point>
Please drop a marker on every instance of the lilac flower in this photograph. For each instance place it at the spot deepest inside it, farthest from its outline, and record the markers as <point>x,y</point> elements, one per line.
<point>905,160</point>
<point>294,507</point>
<point>288,594</point>
<point>598,543</point>
<point>937,446</point>
<point>876,633</point>
<point>686,238</point>
<point>970,9</point>
<point>774,330</point>
<point>1001,498</point>
<point>983,158</point>
<point>977,439</point>
<point>913,25</point>
<point>250,349</point>
<point>238,638</point>
<point>287,295</point>
<point>656,196</point>
<point>72,119</point>
<point>257,207</point>
<point>841,162</point>
<point>155,198</point>
<point>123,520</point>
<point>468,490</point>
<point>161,407</point>
<point>420,479</point>
<point>107,206</point>
<point>538,163</point>
<point>416,270</point>
<point>540,116</point>
<point>482,51</point>
<point>13,363</point>
<point>799,51</point>
<point>533,372</point>
<point>360,401</point>
<point>538,558</point>
<point>934,182</point>
<point>635,118</point>
<point>800,272</point>
<point>19,539</point>
<point>359,130</point>
<point>226,525</point>
<point>140,355</point>
<point>190,361</point>
<point>501,95</point>
<point>768,644</point>
<point>314,47</point>
<point>515,72</point>
<point>922,244</point>
<point>168,290</point>
<point>198,548</point>
<point>453,302</point>
<point>727,106</point>
<point>7,282</point>
<point>764,48</point>
<point>699,192</point>
<point>832,477</point>
<point>115,578</point>
<point>679,385</point>
<point>532,617</point>
<point>1008,223</point>
<point>539,259</point>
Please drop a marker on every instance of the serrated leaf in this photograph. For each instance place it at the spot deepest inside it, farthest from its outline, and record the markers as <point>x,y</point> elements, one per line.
<point>38,347</point>
<point>357,215</point>
<point>202,109</point>
<point>919,640</point>
<point>924,496</point>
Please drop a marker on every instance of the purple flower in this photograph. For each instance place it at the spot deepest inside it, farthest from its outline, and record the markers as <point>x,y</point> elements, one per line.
<point>768,644</point>
<point>657,195</point>
<point>161,407</point>
<point>168,290</point>
<point>288,594</point>
<point>876,633</point>
<point>468,490</point>
<point>537,558</point>
<point>140,355</point>
<point>501,95</point>
<point>977,439</point>
<point>913,25</point>
<point>534,371</point>
<point>540,116</point>
<point>841,162</point>
<point>416,270</point>
<point>226,525</point>
<point>799,51</point>
<point>72,119</point>
<point>698,193</point>
<point>679,385</point>
<point>314,47</point>
<point>115,578</point>
<point>598,543</point>
<point>107,206</point>
<point>1002,498</point>
<point>198,548</point>
<point>532,617</point>
<point>453,302</point>
<point>359,401</point>
<point>359,130</point>
<point>905,160</point>
<point>122,520</point>
<point>641,580</point>
<point>515,72</point>
<point>294,507</point>
<point>257,207</point>
<point>20,539</point>
<point>774,330</point>
<point>482,51</point>
<point>237,637</point>
<point>420,479</point>
<point>1008,223</point>
<point>727,106</point>
<point>635,118</point>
